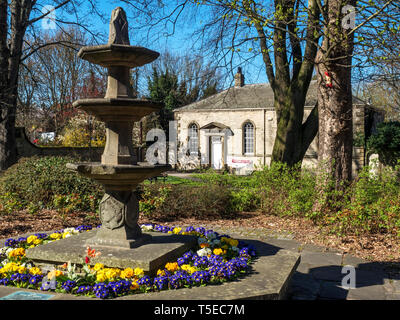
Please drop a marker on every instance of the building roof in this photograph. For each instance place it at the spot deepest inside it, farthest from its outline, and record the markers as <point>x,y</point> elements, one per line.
<point>251,96</point>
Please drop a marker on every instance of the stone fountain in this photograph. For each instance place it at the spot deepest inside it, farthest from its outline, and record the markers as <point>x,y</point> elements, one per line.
<point>120,240</point>
<point>119,170</point>
<point>120,236</point>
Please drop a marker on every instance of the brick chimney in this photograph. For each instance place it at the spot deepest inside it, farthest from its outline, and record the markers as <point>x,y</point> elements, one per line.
<point>239,78</point>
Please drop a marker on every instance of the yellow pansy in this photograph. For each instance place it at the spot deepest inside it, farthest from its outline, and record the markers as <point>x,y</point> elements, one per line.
<point>66,235</point>
<point>19,252</point>
<point>56,236</point>
<point>112,273</point>
<point>127,273</point>
<point>31,239</point>
<point>101,276</point>
<point>134,285</point>
<point>138,272</point>
<point>176,230</point>
<point>35,271</point>
<point>37,242</point>
<point>219,251</point>
<point>98,266</point>
<point>21,269</point>
<point>54,273</point>
<point>172,266</point>
<point>11,267</point>
<point>160,272</point>
<point>188,268</point>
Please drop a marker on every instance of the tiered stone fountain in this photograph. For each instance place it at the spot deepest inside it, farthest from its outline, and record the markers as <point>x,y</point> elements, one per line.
<point>119,171</point>
<point>120,240</point>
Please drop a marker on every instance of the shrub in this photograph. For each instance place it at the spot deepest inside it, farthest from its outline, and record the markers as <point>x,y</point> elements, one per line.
<point>386,142</point>
<point>284,191</point>
<point>167,202</point>
<point>44,181</point>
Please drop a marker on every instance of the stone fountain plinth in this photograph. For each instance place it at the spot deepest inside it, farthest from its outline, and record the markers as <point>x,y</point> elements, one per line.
<point>119,170</point>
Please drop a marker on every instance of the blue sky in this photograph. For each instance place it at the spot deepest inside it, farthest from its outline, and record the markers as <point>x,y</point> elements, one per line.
<point>179,42</point>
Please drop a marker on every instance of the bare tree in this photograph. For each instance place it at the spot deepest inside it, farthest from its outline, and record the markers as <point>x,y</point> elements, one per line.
<point>18,18</point>
<point>284,34</point>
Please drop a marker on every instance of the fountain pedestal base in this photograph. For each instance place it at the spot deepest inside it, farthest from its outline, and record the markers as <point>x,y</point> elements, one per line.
<point>117,238</point>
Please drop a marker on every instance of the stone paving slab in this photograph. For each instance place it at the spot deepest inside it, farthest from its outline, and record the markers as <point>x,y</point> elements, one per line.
<point>318,275</point>
<point>371,292</point>
<point>163,248</point>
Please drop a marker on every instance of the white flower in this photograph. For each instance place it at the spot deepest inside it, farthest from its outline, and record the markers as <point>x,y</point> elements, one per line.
<point>147,227</point>
<point>204,252</point>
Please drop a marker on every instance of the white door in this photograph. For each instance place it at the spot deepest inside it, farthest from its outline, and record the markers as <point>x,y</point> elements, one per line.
<point>216,153</point>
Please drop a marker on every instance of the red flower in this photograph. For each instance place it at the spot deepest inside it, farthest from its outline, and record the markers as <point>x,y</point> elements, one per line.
<point>87,260</point>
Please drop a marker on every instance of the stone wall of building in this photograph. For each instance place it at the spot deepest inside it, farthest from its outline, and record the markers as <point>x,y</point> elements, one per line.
<point>265,124</point>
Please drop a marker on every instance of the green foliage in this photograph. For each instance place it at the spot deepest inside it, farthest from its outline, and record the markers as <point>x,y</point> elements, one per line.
<point>45,182</point>
<point>285,191</point>
<point>386,142</point>
<point>168,202</point>
<point>373,205</point>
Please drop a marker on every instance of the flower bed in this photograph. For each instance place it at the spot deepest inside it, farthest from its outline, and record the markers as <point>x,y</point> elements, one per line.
<point>217,259</point>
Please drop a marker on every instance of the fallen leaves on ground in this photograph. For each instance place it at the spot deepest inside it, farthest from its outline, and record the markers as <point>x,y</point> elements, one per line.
<point>378,247</point>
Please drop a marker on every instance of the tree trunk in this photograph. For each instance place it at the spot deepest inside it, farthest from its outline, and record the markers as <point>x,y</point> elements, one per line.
<point>8,149</point>
<point>293,137</point>
<point>10,56</point>
<point>333,65</point>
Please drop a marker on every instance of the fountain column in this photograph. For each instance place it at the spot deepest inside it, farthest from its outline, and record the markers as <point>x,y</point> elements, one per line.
<point>119,170</point>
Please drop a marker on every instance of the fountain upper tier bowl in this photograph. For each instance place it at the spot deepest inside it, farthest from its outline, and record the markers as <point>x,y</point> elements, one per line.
<point>118,177</point>
<point>118,109</point>
<point>118,55</point>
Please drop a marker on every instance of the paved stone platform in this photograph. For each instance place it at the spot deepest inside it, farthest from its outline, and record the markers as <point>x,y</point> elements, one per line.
<point>318,275</point>
<point>150,257</point>
<point>268,279</point>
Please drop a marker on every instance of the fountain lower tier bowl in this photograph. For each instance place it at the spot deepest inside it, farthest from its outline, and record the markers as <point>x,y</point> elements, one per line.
<point>118,55</point>
<point>118,109</point>
<point>118,177</point>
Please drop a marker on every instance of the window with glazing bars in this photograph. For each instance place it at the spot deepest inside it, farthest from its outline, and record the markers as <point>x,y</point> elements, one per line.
<point>248,138</point>
<point>193,138</point>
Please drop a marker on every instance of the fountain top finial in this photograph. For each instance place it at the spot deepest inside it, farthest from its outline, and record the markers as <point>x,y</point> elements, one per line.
<point>118,27</point>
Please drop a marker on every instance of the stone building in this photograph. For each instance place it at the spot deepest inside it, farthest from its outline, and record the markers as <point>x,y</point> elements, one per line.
<point>235,129</point>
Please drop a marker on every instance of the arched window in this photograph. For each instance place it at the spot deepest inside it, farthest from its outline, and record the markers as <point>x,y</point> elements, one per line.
<point>193,136</point>
<point>248,138</point>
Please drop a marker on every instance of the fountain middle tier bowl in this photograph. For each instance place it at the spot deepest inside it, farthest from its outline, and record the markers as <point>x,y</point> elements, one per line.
<point>118,109</point>
<point>118,55</point>
<point>118,177</point>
